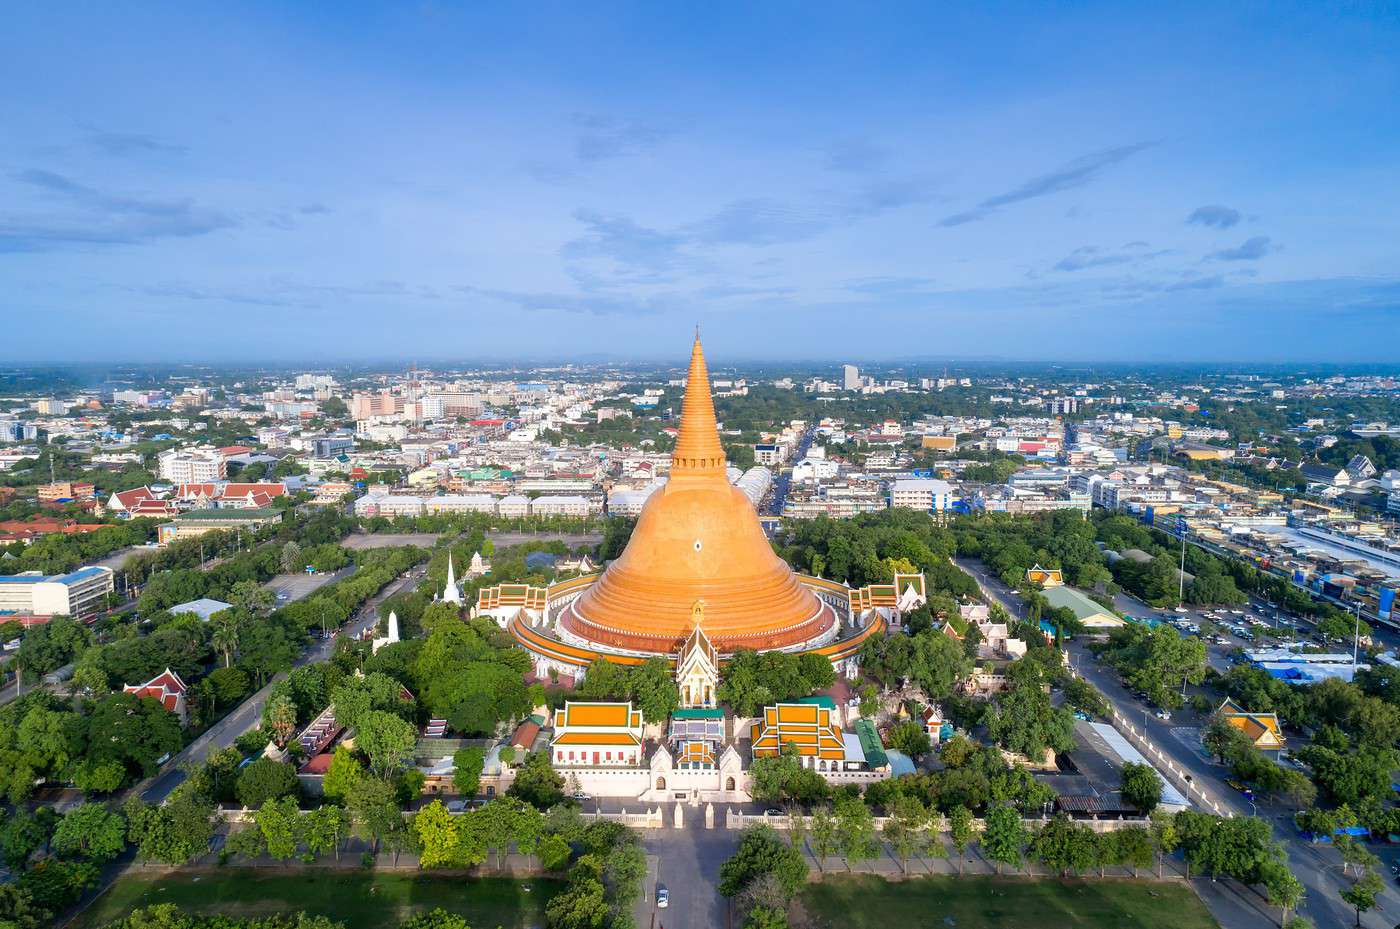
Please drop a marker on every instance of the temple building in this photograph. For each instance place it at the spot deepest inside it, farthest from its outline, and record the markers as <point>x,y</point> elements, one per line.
<point>697,668</point>
<point>596,734</point>
<point>451,593</point>
<point>808,728</point>
<point>697,541</point>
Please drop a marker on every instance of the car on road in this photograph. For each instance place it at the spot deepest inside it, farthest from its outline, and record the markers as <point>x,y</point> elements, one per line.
<point>282,595</point>
<point>663,897</point>
<point>456,806</point>
<point>772,811</point>
<point>1163,714</point>
<point>581,797</point>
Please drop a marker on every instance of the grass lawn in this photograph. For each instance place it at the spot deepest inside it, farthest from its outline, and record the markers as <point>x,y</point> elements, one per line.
<point>360,899</point>
<point>867,902</point>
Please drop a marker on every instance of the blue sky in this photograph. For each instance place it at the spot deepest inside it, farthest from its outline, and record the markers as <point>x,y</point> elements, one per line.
<point>200,181</point>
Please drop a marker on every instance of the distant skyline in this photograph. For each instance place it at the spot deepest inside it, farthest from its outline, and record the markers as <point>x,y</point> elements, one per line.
<point>1198,183</point>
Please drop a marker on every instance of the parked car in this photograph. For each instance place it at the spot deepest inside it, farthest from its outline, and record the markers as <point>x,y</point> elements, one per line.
<point>663,897</point>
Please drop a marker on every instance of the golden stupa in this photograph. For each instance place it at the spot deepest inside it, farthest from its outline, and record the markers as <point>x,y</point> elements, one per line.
<point>698,540</point>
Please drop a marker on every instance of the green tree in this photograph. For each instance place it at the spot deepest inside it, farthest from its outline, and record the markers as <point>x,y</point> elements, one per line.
<point>99,777</point>
<point>1141,786</point>
<point>856,827</point>
<point>1361,894</point>
<point>537,783</point>
<point>265,779</point>
<point>281,826</point>
<point>176,832</point>
<point>437,834</point>
<point>436,918</point>
<point>910,738</point>
<point>604,680</point>
<point>1004,836</point>
<point>252,598</point>
<point>373,807</point>
<point>904,828</point>
<point>554,853</point>
<point>1063,845</point>
<point>92,831</point>
<point>1164,837</point>
<point>323,828</point>
<point>960,830</point>
<point>652,686</point>
<point>1024,721</point>
<point>344,773</point>
<point>21,835</point>
<point>1158,661</point>
<point>280,718</point>
<point>135,732</point>
<point>761,852</point>
<point>292,562</point>
<point>467,765</point>
<point>1283,889</point>
<point>247,843</point>
<point>387,740</point>
<point>824,834</point>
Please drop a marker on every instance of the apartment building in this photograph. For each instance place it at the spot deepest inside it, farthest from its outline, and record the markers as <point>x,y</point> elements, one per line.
<point>928,495</point>
<point>192,466</point>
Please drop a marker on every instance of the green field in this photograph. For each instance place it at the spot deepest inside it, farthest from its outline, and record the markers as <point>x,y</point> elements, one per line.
<point>360,899</point>
<point>866,902</point>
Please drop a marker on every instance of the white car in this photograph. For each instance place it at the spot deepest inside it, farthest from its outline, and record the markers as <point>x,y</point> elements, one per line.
<point>1163,715</point>
<point>663,897</point>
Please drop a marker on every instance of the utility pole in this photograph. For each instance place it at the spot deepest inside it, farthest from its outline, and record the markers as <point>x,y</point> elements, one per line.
<point>1181,575</point>
<point>1356,640</point>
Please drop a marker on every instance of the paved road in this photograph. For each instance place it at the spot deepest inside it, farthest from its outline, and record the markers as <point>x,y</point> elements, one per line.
<point>223,733</point>
<point>1317,867</point>
<point>782,481</point>
<point>687,862</point>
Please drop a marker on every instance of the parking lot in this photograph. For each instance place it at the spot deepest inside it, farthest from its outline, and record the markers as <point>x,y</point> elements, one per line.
<point>290,588</point>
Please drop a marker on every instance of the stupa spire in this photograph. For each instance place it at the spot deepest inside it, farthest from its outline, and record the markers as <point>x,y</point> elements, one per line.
<point>698,450</point>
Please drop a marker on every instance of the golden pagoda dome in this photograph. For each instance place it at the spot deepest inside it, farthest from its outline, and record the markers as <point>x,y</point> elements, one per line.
<point>698,539</point>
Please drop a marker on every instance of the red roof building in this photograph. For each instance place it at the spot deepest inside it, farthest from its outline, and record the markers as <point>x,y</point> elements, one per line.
<point>167,689</point>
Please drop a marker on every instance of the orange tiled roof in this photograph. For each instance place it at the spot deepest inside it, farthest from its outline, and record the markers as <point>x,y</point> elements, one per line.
<point>597,738</point>
<point>806,726</point>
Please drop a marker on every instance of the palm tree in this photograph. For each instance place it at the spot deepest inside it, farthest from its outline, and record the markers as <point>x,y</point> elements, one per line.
<point>224,638</point>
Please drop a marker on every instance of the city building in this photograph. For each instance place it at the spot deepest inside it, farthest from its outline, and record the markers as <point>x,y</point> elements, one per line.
<point>850,377</point>
<point>34,597</point>
<point>197,522</point>
<point>928,495</point>
<point>192,466</point>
